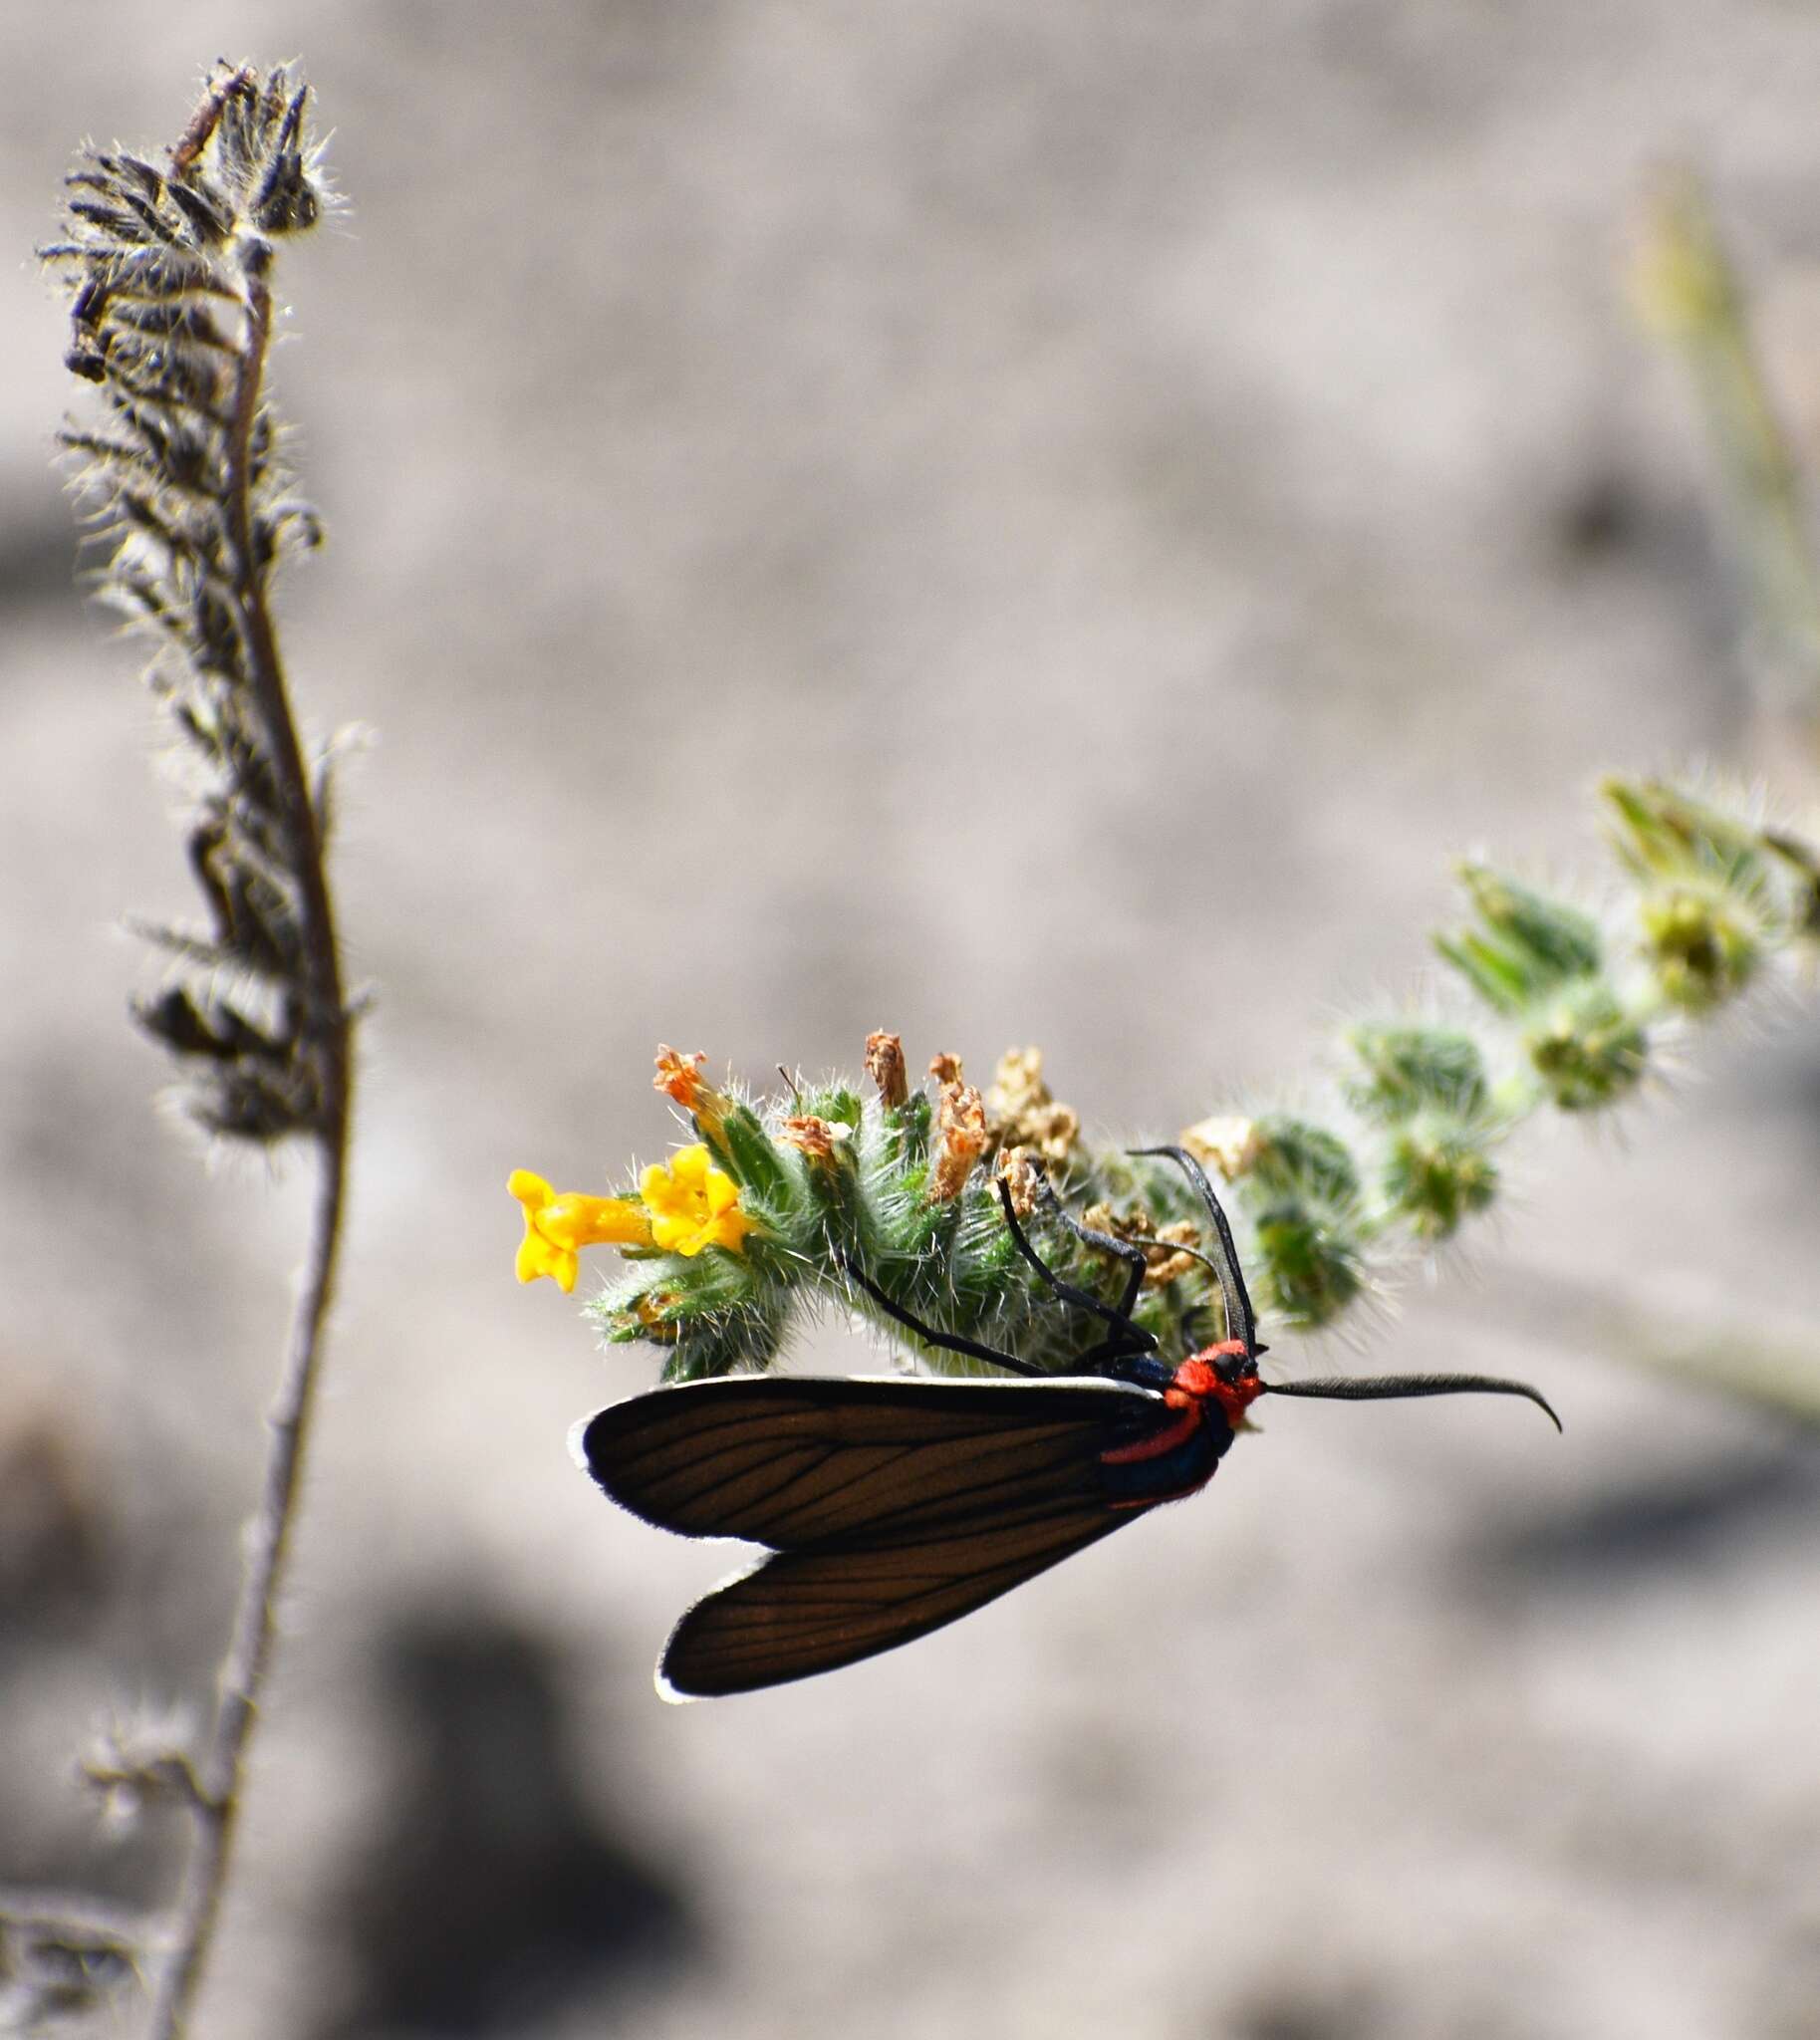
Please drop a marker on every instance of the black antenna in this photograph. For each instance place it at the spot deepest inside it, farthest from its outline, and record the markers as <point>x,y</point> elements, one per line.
<point>1241,1320</point>
<point>1394,1388</point>
<point>1242,1324</point>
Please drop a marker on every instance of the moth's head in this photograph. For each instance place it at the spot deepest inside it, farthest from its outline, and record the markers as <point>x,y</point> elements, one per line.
<point>1225,1373</point>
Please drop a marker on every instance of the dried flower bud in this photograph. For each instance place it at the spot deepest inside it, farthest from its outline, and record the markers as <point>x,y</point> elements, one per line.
<point>1053,1130</point>
<point>679,1079</point>
<point>1161,1267</point>
<point>1017,1082</point>
<point>817,1138</point>
<point>1164,1267</point>
<point>885,1067</point>
<point>1021,1113</point>
<point>1018,1172</point>
<point>945,1069</point>
<point>1227,1141</point>
<point>961,1118</point>
<point>678,1076</point>
<point>222,87</point>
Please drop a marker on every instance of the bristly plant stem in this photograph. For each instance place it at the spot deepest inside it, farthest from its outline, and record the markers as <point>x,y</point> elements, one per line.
<point>221,1769</point>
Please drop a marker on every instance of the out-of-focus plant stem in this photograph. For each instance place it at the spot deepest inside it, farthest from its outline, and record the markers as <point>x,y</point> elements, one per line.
<point>1690,295</point>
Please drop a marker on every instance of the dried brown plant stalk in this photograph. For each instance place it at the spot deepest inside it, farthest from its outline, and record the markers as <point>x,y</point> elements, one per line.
<point>168,267</point>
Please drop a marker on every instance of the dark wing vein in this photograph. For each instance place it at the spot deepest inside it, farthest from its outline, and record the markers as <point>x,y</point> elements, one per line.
<point>796,1462</point>
<point>804,1612</point>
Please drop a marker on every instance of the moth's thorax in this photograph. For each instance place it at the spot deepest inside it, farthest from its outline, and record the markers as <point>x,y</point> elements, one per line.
<point>1204,1400</point>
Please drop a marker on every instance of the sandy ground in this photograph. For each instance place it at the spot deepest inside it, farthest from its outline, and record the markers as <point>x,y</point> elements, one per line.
<point>1010,522</point>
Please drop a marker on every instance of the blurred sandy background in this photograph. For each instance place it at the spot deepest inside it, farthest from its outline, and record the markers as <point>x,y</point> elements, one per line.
<point>1010,522</point>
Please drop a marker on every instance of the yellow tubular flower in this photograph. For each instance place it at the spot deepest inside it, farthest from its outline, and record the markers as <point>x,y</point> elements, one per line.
<point>559,1223</point>
<point>693,1204</point>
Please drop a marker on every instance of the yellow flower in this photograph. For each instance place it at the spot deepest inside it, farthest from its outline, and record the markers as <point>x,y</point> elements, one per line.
<point>693,1204</point>
<point>558,1224</point>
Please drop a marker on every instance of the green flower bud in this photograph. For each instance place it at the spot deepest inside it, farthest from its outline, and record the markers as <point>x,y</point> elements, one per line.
<point>749,1155</point>
<point>1432,1178</point>
<point>715,1313</point>
<point>1700,950</point>
<point>1311,1270</point>
<point>1290,1158</point>
<point>1406,1067</point>
<point>1303,1188</point>
<point>1587,1047</point>
<point>1529,945</point>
